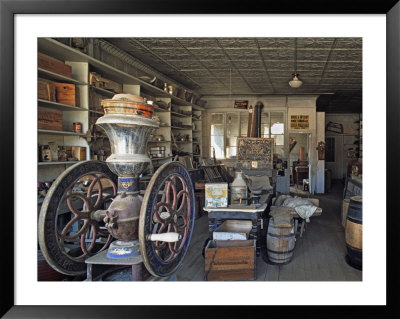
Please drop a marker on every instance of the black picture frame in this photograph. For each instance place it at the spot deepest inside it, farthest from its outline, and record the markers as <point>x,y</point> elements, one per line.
<point>8,10</point>
<point>241,104</point>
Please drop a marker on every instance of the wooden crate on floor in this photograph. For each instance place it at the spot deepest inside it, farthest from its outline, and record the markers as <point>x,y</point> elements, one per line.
<point>49,120</point>
<point>230,260</point>
<point>67,93</point>
<point>46,90</point>
<point>54,65</point>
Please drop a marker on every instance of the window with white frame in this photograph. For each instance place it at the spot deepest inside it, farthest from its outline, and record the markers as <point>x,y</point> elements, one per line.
<point>227,127</point>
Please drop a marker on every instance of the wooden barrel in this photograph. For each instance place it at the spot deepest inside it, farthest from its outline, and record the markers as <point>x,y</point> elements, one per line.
<point>353,232</point>
<point>345,208</point>
<point>280,243</point>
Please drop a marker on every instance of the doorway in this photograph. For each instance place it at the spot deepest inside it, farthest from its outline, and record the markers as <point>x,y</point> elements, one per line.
<point>299,149</point>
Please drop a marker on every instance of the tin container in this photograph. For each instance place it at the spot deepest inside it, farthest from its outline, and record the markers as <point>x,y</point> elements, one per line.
<point>77,127</point>
<point>239,190</point>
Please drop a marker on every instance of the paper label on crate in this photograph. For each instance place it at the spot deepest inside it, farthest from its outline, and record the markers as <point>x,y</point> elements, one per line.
<point>216,195</point>
<point>229,236</point>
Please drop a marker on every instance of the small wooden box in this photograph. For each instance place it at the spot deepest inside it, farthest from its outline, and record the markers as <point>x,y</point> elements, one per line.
<point>98,81</point>
<point>54,65</point>
<point>67,93</point>
<point>230,260</point>
<point>233,230</point>
<point>49,120</point>
<point>46,90</point>
<point>79,152</point>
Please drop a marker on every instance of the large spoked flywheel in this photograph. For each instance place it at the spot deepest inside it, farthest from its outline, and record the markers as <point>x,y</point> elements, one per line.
<point>68,234</point>
<point>168,206</point>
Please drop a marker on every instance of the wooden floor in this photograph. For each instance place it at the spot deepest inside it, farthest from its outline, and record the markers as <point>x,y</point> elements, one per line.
<point>318,256</point>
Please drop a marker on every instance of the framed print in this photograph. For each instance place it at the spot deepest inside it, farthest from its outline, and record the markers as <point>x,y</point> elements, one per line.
<point>241,104</point>
<point>23,22</point>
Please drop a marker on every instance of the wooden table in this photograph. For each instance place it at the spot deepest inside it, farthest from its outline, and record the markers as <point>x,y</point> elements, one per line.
<point>216,217</point>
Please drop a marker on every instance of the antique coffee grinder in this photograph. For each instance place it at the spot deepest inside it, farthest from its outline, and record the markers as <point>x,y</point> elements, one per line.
<point>128,137</point>
<point>107,218</point>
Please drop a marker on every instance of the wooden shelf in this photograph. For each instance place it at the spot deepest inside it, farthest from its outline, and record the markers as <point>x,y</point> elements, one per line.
<point>40,131</point>
<point>59,106</point>
<point>153,142</point>
<point>180,128</point>
<point>181,102</point>
<point>160,110</point>
<point>56,163</point>
<point>177,114</point>
<point>63,52</point>
<point>96,112</point>
<point>161,158</point>
<point>42,73</point>
<point>102,91</point>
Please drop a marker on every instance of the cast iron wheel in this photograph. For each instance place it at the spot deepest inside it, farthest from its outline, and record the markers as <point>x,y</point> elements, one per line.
<point>168,206</point>
<point>67,233</point>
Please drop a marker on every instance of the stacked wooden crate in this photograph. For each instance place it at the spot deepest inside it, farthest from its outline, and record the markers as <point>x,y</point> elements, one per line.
<point>231,255</point>
<point>230,260</point>
<point>78,152</point>
<point>49,120</point>
<point>65,93</point>
<point>46,90</point>
<point>53,65</point>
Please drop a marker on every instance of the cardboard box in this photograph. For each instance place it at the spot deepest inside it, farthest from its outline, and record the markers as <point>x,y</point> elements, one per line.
<point>45,153</point>
<point>98,81</point>
<point>49,120</point>
<point>78,152</point>
<point>54,151</point>
<point>216,195</point>
<point>95,100</point>
<point>48,63</point>
<point>46,90</point>
<point>233,230</point>
<point>230,260</point>
<point>67,93</point>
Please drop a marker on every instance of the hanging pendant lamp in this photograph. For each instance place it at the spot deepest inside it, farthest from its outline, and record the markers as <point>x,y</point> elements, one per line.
<point>295,82</point>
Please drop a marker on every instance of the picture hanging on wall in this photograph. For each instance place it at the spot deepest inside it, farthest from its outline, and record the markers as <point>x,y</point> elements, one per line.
<point>241,104</point>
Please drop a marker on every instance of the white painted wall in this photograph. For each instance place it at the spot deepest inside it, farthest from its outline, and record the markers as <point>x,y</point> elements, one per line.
<point>343,141</point>
<point>320,181</point>
<point>296,105</point>
<point>306,105</point>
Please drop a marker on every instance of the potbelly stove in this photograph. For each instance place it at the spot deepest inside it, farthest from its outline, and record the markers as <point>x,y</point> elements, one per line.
<point>94,210</point>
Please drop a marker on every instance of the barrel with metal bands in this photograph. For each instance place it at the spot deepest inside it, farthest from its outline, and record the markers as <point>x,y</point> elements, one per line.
<point>354,231</point>
<point>280,243</point>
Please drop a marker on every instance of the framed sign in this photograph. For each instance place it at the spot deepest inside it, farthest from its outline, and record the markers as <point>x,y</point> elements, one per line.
<point>299,122</point>
<point>241,104</point>
<point>255,152</point>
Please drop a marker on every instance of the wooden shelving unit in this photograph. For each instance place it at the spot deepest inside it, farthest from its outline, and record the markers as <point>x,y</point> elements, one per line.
<point>88,112</point>
<point>57,163</point>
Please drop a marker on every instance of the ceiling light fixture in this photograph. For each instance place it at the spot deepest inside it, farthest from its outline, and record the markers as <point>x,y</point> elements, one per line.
<point>295,82</point>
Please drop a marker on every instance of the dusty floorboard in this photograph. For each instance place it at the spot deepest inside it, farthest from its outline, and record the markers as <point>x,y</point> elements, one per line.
<point>318,256</point>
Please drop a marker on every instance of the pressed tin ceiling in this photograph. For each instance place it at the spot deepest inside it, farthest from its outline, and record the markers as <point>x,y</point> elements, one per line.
<point>219,66</point>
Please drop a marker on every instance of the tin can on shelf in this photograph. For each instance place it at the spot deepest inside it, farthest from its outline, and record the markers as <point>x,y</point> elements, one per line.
<point>77,127</point>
